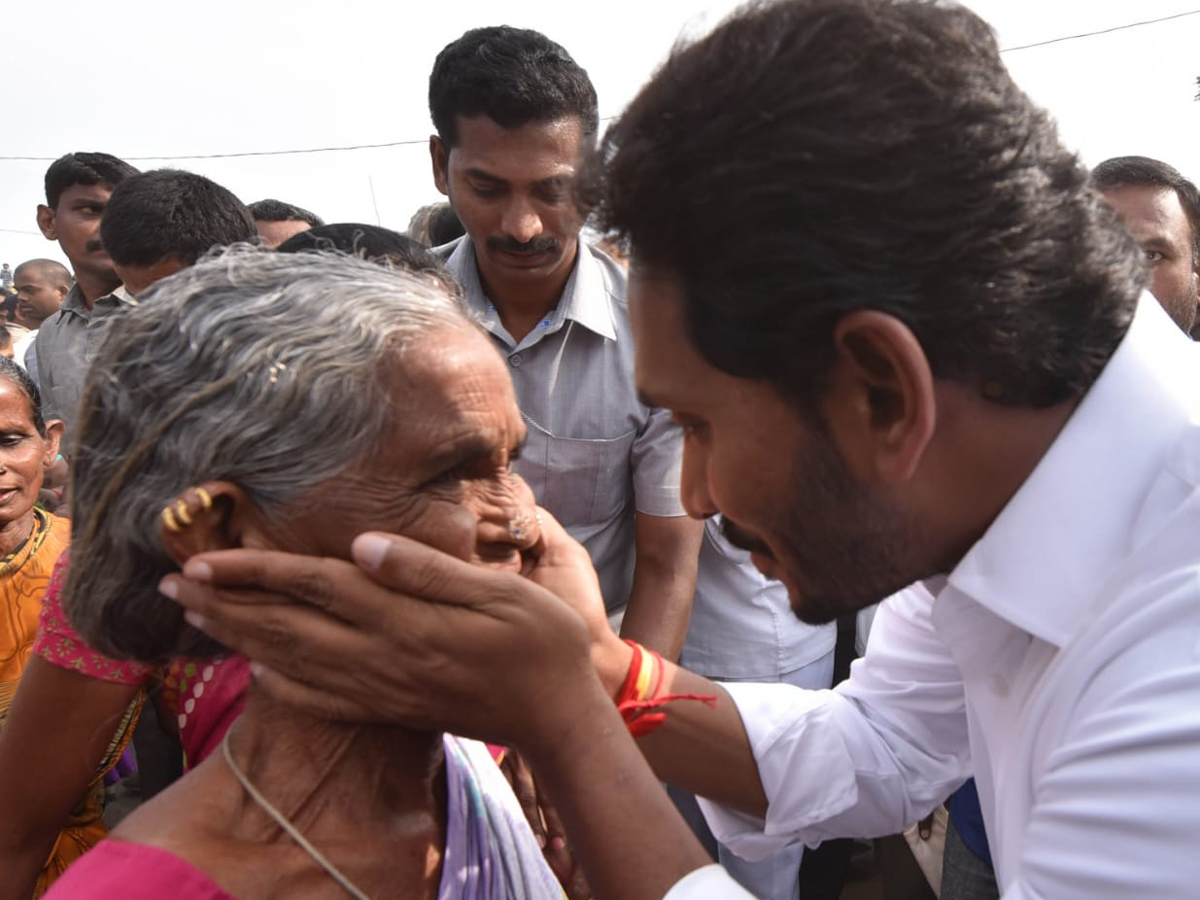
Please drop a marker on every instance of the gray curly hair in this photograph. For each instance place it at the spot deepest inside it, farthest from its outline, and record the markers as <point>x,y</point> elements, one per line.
<point>263,369</point>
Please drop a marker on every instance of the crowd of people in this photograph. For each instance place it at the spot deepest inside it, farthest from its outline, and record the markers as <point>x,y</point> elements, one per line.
<point>506,557</point>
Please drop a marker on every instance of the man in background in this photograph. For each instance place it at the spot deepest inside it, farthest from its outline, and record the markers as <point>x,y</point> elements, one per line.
<point>1161,209</point>
<point>42,286</point>
<point>277,221</point>
<point>160,222</point>
<point>78,186</point>
<point>514,115</point>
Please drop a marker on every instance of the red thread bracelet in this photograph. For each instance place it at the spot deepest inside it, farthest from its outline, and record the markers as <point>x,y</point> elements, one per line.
<point>640,692</point>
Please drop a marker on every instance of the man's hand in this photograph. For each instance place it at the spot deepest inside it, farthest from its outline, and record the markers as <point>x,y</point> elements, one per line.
<point>410,635</point>
<point>547,827</point>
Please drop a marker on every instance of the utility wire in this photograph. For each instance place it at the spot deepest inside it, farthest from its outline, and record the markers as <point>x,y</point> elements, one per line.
<point>228,155</point>
<point>1087,34</point>
<point>250,153</point>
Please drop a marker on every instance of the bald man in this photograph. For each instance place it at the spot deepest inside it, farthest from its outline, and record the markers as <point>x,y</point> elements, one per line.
<point>42,285</point>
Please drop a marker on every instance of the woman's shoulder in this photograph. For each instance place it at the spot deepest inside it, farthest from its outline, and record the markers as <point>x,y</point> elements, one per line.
<point>129,871</point>
<point>58,643</point>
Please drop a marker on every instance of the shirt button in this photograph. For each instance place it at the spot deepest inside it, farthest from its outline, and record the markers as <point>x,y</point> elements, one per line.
<point>515,360</point>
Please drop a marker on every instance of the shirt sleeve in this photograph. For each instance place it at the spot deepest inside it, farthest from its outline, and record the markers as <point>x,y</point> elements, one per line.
<point>1116,800</point>
<point>59,644</point>
<point>657,458</point>
<point>865,759</point>
<point>707,883</point>
<point>43,375</point>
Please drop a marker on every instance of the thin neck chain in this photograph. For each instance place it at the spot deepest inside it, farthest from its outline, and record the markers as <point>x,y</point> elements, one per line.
<point>283,822</point>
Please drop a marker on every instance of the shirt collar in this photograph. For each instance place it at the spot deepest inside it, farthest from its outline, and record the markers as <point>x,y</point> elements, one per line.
<point>1044,560</point>
<point>75,303</point>
<point>584,298</point>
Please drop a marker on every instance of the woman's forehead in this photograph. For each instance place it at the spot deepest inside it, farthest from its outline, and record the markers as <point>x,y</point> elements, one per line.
<point>456,376</point>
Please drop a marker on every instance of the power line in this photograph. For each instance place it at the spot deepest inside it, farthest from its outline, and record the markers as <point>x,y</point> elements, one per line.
<point>229,155</point>
<point>295,152</point>
<point>1086,34</point>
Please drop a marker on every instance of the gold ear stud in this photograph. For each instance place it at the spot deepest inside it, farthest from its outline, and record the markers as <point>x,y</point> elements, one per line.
<point>168,517</point>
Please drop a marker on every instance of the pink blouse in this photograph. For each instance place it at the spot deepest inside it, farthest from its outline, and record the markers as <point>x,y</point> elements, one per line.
<point>205,695</point>
<point>119,869</point>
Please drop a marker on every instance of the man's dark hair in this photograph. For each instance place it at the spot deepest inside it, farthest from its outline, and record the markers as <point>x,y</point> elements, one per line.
<point>808,159</point>
<point>170,213</point>
<point>84,168</point>
<point>277,211</point>
<point>1121,171</point>
<point>375,243</point>
<point>513,76</point>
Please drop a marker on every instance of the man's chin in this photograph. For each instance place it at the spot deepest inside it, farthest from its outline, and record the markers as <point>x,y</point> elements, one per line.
<point>820,609</point>
<point>813,615</point>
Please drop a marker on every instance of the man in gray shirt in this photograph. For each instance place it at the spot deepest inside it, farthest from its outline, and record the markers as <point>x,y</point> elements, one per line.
<point>513,114</point>
<point>78,186</point>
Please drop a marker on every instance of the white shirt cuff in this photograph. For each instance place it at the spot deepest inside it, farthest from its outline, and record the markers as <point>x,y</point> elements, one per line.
<point>707,883</point>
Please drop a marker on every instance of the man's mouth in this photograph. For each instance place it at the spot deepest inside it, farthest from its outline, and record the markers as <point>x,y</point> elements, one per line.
<point>743,539</point>
<point>528,253</point>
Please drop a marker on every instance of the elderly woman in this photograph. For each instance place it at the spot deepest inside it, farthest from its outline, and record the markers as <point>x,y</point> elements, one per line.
<point>293,402</point>
<point>30,542</point>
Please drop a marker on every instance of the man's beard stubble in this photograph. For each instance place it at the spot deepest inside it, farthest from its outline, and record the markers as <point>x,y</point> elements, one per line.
<point>843,549</point>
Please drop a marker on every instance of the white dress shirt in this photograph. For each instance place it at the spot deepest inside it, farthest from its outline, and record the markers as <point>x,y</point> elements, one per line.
<point>742,626</point>
<point>1059,663</point>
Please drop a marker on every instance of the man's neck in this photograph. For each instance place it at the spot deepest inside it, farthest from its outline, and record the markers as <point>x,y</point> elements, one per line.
<point>985,454</point>
<point>94,285</point>
<point>522,304</point>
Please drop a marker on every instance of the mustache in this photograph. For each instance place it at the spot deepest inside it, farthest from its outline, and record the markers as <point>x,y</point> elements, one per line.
<point>93,245</point>
<point>743,539</point>
<point>539,244</point>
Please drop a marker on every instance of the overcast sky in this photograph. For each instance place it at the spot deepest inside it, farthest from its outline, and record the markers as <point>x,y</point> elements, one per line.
<point>142,78</point>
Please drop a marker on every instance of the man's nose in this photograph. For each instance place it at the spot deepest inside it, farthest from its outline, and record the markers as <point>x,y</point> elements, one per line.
<point>693,486</point>
<point>521,220</point>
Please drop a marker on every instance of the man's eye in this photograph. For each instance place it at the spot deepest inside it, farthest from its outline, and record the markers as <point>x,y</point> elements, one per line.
<point>1152,256</point>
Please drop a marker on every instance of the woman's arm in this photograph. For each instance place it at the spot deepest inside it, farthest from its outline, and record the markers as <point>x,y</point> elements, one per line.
<point>57,731</point>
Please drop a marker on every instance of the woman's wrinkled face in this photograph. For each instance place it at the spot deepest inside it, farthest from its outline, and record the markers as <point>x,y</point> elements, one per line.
<point>445,475</point>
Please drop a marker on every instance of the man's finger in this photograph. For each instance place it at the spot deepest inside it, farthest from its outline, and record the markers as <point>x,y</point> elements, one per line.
<point>291,638</point>
<point>419,570</point>
<point>521,781</point>
<point>316,581</point>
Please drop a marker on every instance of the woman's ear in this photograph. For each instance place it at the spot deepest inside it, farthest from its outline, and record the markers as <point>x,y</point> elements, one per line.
<point>54,433</point>
<point>215,515</point>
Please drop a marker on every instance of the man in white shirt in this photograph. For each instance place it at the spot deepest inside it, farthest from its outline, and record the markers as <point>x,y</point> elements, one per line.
<point>906,342</point>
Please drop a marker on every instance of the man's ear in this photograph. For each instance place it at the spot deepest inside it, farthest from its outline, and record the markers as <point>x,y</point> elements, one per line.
<point>887,408</point>
<point>440,157</point>
<point>216,515</point>
<point>45,220</point>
